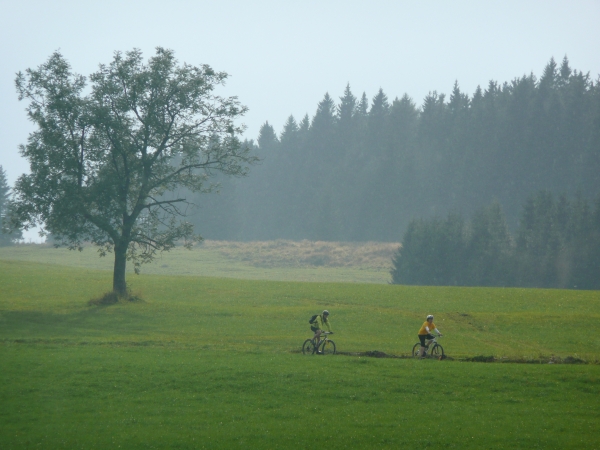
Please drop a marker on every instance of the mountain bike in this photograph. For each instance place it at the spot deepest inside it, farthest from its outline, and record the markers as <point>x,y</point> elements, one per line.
<point>325,346</point>
<point>433,349</point>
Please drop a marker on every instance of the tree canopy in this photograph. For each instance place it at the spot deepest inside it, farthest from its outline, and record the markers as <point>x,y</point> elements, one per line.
<point>111,151</point>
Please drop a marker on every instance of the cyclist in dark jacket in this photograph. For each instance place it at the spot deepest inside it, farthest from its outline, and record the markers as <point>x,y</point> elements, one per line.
<point>318,326</point>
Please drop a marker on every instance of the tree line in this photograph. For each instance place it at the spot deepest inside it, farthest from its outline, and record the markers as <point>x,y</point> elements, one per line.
<point>361,170</point>
<point>556,245</point>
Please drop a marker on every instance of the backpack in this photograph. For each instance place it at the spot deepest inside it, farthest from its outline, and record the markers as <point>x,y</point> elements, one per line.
<point>313,318</point>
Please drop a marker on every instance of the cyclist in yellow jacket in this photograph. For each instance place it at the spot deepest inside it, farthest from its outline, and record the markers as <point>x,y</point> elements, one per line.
<point>318,326</point>
<point>425,335</point>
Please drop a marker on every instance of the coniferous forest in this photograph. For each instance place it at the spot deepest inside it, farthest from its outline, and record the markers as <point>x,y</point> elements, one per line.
<point>556,245</point>
<point>364,169</point>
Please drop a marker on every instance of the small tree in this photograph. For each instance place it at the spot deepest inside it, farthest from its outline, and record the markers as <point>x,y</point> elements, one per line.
<point>432,253</point>
<point>6,237</point>
<point>105,158</point>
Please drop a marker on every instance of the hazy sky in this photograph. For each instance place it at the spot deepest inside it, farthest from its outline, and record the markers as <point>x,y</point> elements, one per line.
<point>282,56</point>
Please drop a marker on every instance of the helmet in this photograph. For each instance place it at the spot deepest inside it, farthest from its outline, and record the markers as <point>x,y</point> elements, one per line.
<point>326,312</point>
<point>430,317</point>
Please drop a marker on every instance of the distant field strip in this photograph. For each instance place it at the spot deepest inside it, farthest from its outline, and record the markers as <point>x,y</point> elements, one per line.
<point>271,260</point>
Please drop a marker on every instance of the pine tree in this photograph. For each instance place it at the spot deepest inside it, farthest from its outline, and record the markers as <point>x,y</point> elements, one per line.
<point>549,76</point>
<point>565,72</point>
<point>432,253</point>
<point>289,135</point>
<point>6,237</point>
<point>322,161</point>
<point>490,250</point>
<point>410,263</point>
<point>4,192</point>
<point>267,139</point>
<point>4,196</point>
<point>254,201</point>
<point>347,107</point>
<point>429,164</point>
<point>304,127</point>
<point>538,242</point>
<point>363,106</point>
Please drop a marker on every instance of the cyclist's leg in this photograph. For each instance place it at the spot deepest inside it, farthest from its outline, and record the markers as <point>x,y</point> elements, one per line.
<point>422,339</point>
<point>429,340</point>
<point>318,340</point>
<point>317,332</point>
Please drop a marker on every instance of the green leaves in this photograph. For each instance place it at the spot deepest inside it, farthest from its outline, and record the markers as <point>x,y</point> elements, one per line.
<point>104,156</point>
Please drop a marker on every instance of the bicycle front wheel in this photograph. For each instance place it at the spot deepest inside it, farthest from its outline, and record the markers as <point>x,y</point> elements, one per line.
<point>308,348</point>
<point>416,352</point>
<point>437,351</point>
<point>328,347</point>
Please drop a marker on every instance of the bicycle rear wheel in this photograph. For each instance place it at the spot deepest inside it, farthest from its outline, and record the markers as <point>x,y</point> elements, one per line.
<point>437,351</point>
<point>328,347</point>
<point>308,348</point>
<point>416,351</point>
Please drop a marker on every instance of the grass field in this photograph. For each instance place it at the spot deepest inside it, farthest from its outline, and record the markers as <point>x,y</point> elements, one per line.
<point>213,363</point>
<point>274,260</point>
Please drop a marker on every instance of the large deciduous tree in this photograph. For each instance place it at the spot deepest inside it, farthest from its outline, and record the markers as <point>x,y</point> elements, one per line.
<point>110,152</point>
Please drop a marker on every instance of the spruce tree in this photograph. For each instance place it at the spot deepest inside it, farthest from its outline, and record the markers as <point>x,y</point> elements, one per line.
<point>267,139</point>
<point>489,258</point>
<point>289,135</point>
<point>7,237</point>
<point>347,107</point>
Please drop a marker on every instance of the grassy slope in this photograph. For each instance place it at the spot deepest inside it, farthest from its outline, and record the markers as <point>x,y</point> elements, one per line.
<point>206,362</point>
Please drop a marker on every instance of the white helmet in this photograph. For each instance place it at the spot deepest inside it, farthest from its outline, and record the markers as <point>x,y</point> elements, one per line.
<point>326,312</point>
<point>430,316</point>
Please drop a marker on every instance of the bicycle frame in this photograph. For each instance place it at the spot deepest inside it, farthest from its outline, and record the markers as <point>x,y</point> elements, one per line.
<point>325,345</point>
<point>433,348</point>
<point>323,339</point>
<point>433,342</point>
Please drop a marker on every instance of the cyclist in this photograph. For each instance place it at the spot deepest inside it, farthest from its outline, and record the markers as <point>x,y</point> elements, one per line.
<point>425,335</point>
<point>321,321</point>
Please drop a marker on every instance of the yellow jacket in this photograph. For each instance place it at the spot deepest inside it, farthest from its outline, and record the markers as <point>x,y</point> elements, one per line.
<point>320,323</point>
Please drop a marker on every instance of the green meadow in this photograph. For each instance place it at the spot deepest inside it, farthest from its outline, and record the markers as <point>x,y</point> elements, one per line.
<point>214,362</point>
<point>271,260</point>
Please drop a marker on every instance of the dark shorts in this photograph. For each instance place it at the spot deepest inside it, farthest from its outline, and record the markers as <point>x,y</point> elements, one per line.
<point>423,337</point>
<point>315,329</point>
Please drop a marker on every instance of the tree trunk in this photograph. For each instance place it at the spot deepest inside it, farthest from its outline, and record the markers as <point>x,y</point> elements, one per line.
<point>119,283</point>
